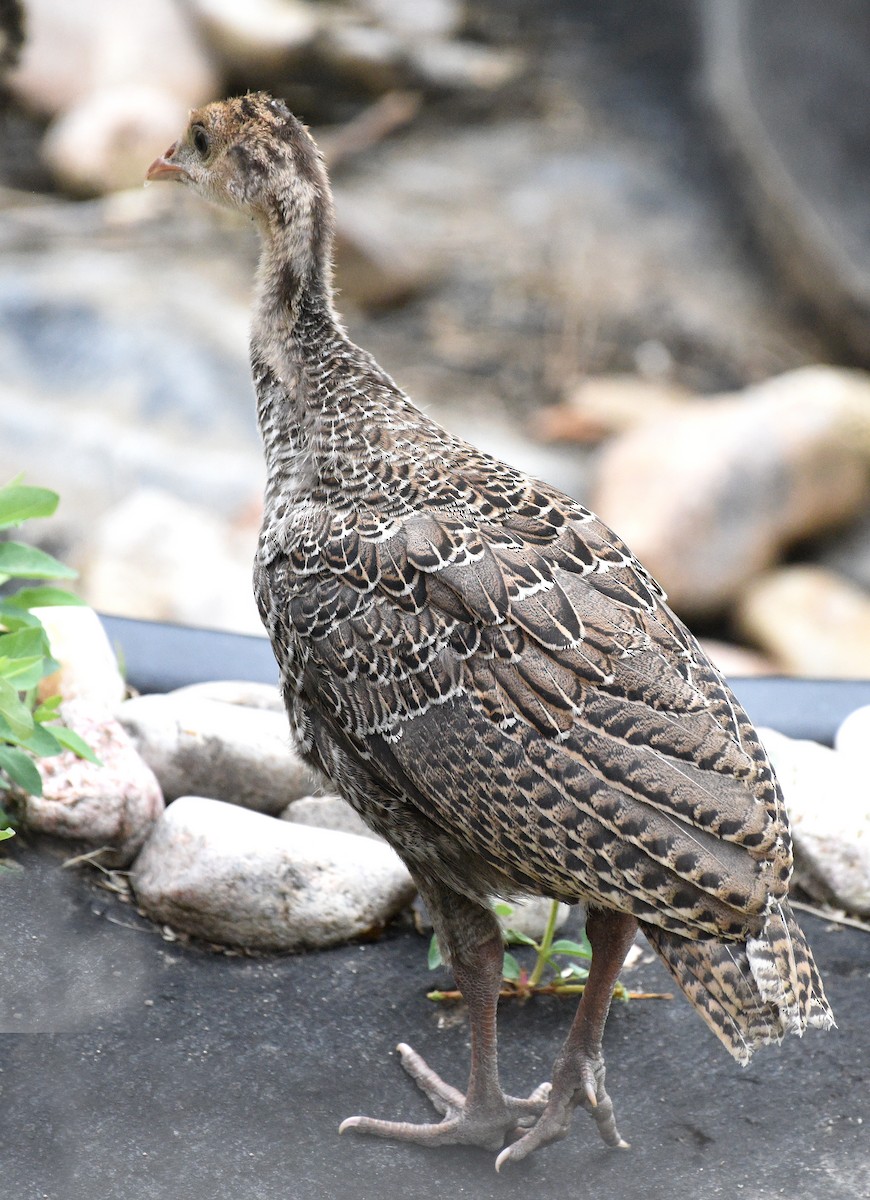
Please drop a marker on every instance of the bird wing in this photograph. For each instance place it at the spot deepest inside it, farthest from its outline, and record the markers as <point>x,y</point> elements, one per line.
<point>515,673</point>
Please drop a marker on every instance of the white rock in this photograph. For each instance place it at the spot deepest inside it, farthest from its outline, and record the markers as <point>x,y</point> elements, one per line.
<point>828,801</point>
<point>73,50</point>
<point>100,145</point>
<point>328,812</point>
<point>422,18</point>
<point>111,805</point>
<point>88,666</point>
<point>157,557</point>
<point>244,879</point>
<point>112,74</point>
<point>225,751</point>
<point>259,35</point>
<point>852,739</point>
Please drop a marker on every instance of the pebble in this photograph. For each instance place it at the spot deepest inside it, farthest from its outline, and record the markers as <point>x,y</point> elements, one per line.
<point>241,878</point>
<point>225,751</point>
<point>258,37</point>
<point>826,798</point>
<point>714,494</point>
<point>234,691</point>
<point>112,805</point>
<point>811,621</point>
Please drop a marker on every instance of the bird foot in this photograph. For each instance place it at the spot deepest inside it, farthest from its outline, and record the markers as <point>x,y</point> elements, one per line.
<point>576,1083</point>
<point>485,1123</point>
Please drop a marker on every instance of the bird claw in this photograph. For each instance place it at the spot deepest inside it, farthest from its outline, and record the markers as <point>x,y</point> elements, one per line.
<point>485,1124</point>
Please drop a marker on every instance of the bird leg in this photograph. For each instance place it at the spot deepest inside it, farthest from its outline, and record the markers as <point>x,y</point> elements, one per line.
<point>578,1073</point>
<point>469,935</point>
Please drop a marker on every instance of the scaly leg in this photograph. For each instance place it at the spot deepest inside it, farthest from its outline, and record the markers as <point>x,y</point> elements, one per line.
<point>470,937</point>
<point>578,1073</point>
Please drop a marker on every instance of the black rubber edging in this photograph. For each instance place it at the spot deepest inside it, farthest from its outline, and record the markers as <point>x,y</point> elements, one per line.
<point>159,657</point>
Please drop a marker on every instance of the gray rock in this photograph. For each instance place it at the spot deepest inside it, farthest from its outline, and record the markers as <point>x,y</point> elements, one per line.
<point>328,812</point>
<point>225,751</point>
<point>112,804</point>
<point>244,879</point>
<point>234,691</point>
<point>826,798</point>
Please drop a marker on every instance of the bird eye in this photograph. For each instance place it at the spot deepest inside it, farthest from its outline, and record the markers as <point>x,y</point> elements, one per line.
<point>200,141</point>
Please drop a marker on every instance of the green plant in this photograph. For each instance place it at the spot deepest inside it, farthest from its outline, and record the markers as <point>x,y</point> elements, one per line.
<point>28,728</point>
<point>555,970</point>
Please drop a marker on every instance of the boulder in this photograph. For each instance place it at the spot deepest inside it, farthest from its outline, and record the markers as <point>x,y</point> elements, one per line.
<point>88,667</point>
<point>224,751</point>
<point>241,878</point>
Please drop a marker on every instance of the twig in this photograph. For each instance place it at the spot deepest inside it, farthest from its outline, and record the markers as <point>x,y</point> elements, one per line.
<point>551,989</point>
<point>831,914</point>
<point>369,127</point>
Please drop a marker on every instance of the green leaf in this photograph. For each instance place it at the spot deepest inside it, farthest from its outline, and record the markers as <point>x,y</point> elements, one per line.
<point>6,833</point>
<point>510,968</point>
<point>47,711</point>
<point>20,770</point>
<point>71,741</point>
<point>42,597</point>
<point>574,971</point>
<point>434,957</point>
<point>576,949</point>
<point>19,503</point>
<point>30,563</point>
<point>514,938</point>
<point>14,714</point>
<point>41,741</point>
<point>502,910</point>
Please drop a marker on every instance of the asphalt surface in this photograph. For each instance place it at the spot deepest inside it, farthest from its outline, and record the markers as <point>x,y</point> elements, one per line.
<point>132,1067</point>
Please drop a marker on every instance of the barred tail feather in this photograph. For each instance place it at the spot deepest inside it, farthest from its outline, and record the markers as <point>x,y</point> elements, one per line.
<point>749,993</point>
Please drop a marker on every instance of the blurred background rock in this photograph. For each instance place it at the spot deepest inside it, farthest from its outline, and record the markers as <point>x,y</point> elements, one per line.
<point>626,247</point>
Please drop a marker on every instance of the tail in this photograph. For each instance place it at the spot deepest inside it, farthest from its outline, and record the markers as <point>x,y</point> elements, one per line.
<point>752,992</point>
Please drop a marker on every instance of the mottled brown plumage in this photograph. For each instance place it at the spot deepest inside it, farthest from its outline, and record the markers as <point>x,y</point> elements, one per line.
<point>492,680</point>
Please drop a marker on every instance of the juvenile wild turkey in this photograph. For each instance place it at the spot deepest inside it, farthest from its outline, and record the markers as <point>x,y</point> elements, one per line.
<point>492,681</point>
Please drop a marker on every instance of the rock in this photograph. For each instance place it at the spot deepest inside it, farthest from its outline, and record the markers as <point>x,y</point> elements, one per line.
<point>369,56</point>
<point>258,37</point>
<point>810,621</point>
<point>826,798</point>
<point>244,879</point>
<point>112,805</point>
<point>100,144</point>
<point>88,666</point>
<point>111,75</point>
<point>374,270</point>
<point>234,691</point>
<point>328,812</point>
<point>530,916</point>
<point>160,558</point>
<point>225,751</point>
<point>423,18</point>
<point>604,405</point>
<point>737,660</point>
<point>713,495</point>
<point>464,66</point>
<point>852,739</point>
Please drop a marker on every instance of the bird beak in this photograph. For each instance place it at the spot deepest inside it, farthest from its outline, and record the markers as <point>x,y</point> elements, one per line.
<point>164,168</point>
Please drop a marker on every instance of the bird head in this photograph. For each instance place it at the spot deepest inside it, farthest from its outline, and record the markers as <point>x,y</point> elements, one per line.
<point>250,153</point>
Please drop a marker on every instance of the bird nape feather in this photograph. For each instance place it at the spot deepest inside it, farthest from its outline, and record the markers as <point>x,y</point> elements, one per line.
<point>492,680</point>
